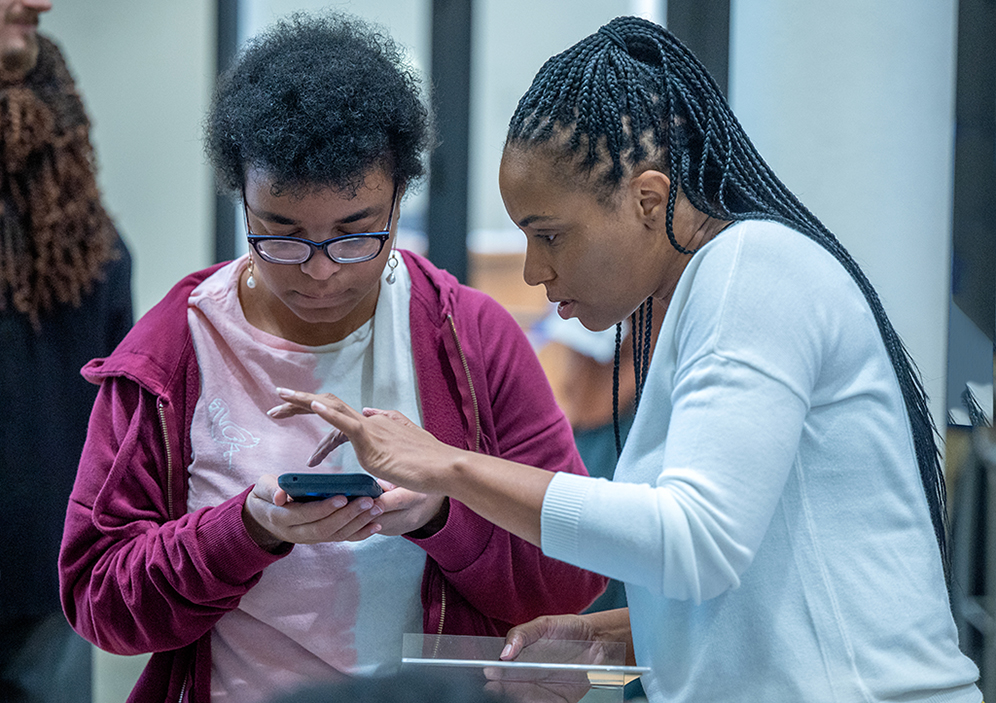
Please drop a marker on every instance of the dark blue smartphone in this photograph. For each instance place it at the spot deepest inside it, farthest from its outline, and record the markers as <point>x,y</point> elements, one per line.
<point>306,487</point>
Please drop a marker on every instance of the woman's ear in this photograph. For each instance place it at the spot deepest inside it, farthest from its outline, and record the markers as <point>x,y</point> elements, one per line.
<point>651,189</point>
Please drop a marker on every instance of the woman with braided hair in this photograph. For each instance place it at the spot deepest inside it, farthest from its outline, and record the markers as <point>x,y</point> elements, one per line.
<point>777,512</point>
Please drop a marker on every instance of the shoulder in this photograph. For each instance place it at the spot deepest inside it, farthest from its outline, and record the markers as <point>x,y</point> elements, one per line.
<point>772,297</point>
<point>759,267</point>
<point>768,252</point>
<point>444,308</point>
<point>171,311</point>
<point>157,343</point>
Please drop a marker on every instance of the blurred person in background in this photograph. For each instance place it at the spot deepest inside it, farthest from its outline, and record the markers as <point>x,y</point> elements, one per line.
<point>65,297</point>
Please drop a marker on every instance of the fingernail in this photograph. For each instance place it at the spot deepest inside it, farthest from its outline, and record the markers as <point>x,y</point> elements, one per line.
<point>273,411</point>
<point>505,652</point>
<point>282,391</point>
<point>376,510</point>
<point>317,406</point>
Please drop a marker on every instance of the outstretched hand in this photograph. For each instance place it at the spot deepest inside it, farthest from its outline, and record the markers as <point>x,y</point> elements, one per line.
<point>387,444</point>
<point>547,627</point>
<point>600,627</point>
<point>391,447</point>
<point>566,639</point>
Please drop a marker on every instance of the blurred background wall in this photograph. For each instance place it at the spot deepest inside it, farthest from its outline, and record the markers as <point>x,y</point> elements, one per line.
<point>146,71</point>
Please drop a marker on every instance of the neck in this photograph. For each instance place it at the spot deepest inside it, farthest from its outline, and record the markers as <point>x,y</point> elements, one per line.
<point>704,229</point>
<point>693,229</point>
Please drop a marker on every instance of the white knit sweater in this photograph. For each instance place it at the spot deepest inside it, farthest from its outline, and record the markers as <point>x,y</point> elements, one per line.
<point>767,513</point>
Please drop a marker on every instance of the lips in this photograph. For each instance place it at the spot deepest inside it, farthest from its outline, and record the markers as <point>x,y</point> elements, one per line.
<point>322,298</point>
<point>29,21</point>
<point>565,308</point>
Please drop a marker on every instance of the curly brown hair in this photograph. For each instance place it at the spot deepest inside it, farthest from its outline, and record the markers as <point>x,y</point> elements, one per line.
<point>316,101</point>
<point>55,236</point>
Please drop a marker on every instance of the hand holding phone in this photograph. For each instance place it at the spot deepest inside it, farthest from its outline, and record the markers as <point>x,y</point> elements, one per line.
<point>307,487</point>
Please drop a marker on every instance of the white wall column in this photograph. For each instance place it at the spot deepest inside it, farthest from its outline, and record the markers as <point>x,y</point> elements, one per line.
<point>852,103</point>
<point>146,71</point>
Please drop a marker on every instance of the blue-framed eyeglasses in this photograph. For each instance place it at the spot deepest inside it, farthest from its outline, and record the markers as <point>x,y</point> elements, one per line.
<point>344,249</point>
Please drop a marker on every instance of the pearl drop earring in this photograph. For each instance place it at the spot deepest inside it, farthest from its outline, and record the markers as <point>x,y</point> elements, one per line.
<point>251,281</point>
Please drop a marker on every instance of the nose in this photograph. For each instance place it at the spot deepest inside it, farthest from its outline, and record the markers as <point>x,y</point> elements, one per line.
<point>320,266</point>
<point>536,270</point>
<point>38,5</point>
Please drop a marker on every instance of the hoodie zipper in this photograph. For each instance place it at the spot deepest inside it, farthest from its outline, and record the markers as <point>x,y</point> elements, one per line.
<point>169,459</point>
<point>470,382</point>
<point>442,618</point>
<point>477,448</point>
<point>169,496</point>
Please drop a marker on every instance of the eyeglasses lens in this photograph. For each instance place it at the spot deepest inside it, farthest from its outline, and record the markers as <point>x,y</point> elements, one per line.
<point>345,251</point>
<point>356,249</point>
<point>281,251</point>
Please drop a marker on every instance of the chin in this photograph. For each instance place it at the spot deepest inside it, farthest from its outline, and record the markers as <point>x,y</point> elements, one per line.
<point>18,63</point>
<point>319,316</point>
<point>595,325</point>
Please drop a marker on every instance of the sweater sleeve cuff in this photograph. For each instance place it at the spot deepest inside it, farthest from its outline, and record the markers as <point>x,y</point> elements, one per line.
<point>461,541</point>
<point>234,557</point>
<point>561,514</point>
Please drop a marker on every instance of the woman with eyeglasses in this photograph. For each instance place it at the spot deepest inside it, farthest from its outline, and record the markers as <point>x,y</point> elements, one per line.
<point>777,513</point>
<point>178,539</point>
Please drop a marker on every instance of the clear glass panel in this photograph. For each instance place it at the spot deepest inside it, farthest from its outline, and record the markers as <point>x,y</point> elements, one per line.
<point>568,670</point>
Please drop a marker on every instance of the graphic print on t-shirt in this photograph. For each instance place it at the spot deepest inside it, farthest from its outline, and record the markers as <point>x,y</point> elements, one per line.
<point>226,432</point>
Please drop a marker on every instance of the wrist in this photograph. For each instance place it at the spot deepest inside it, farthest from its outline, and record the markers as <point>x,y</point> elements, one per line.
<point>263,538</point>
<point>613,626</point>
<point>435,523</point>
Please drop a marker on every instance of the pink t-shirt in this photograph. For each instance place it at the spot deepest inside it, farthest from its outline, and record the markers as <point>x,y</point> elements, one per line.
<point>325,608</point>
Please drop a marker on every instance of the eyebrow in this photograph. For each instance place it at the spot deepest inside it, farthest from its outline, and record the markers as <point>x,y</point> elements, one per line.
<point>283,220</point>
<point>526,221</point>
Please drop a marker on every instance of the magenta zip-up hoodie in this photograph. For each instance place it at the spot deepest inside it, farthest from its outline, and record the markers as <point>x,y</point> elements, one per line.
<point>140,574</point>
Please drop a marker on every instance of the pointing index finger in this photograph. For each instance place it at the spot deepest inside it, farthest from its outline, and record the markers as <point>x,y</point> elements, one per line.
<point>329,442</point>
